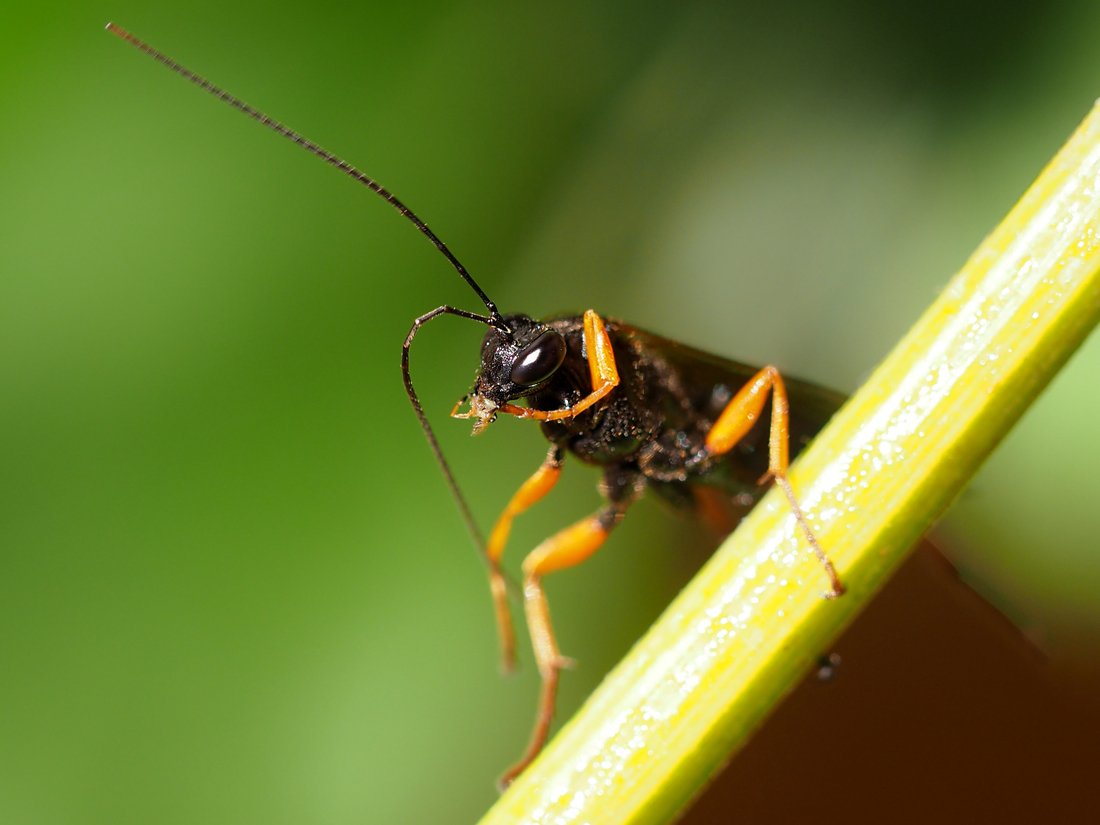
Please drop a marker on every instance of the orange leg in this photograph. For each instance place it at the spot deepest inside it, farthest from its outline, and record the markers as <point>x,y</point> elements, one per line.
<point>538,485</point>
<point>735,421</point>
<point>601,368</point>
<point>569,547</point>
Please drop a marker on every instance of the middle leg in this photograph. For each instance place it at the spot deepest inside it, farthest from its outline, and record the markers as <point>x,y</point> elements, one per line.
<point>537,486</point>
<point>567,548</point>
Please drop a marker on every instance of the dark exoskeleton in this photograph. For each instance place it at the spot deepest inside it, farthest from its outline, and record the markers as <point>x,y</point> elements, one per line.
<point>654,414</point>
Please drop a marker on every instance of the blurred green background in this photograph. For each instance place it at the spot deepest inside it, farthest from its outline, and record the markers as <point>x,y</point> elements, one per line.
<point>233,587</point>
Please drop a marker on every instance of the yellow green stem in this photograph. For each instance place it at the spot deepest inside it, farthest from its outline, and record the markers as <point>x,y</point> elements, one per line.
<point>750,624</point>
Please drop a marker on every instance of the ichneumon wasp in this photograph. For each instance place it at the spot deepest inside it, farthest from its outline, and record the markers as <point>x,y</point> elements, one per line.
<point>654,414</point>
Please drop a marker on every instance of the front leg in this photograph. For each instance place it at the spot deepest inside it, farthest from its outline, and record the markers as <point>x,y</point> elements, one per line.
<point>601,368</point>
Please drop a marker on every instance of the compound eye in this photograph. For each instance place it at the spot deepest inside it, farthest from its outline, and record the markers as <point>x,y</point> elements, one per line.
<point>538,360</point>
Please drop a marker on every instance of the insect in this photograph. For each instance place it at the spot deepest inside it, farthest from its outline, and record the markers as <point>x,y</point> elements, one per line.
<point>652,413</point>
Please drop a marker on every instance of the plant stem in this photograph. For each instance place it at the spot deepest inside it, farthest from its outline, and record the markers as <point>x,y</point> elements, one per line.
<point>752,622</point>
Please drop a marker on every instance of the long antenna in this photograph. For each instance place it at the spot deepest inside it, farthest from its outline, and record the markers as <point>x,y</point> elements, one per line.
<point>495,318</point>
<point>433,442</point>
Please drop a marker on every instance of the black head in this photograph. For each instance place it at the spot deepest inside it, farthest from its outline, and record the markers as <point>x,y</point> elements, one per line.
<point>517,365</point>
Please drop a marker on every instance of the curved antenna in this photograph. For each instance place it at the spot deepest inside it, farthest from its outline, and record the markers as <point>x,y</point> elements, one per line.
<point>464,508</point>
<point>494,319</point>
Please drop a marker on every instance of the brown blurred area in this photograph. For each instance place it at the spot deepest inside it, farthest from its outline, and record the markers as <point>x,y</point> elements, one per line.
<point>940,711</point>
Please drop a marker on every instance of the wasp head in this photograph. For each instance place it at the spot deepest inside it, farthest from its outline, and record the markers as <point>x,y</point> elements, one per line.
<point>513,366</point>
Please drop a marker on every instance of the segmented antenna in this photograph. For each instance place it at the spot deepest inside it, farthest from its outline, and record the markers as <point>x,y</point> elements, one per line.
<point>493,319</point>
